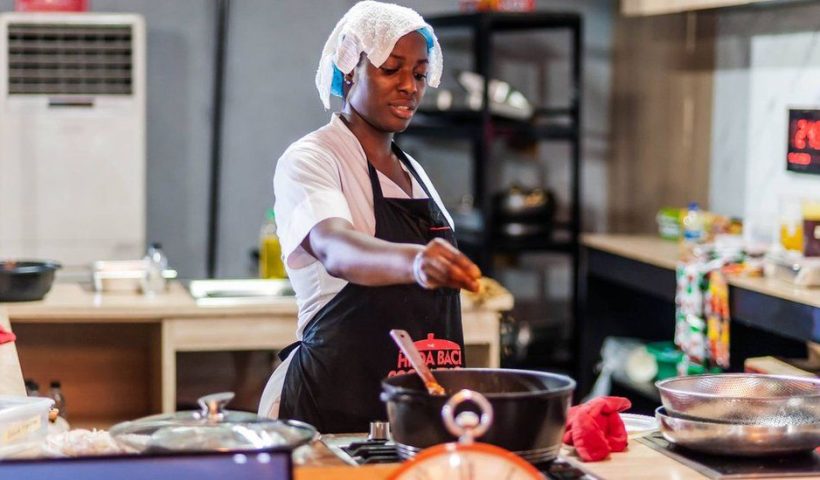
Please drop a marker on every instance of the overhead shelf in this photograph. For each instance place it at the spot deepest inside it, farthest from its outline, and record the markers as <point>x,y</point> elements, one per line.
<point>509,21</point>
<point>469,124</point>
<point>558,241</point>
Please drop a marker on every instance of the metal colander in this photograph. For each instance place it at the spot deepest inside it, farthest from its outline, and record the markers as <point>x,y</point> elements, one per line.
<point>743,398</point>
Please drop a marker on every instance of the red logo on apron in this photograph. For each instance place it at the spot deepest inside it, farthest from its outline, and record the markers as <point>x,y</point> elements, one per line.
<point>436,352</point>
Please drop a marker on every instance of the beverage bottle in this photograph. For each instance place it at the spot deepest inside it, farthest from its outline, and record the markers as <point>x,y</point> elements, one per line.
<point>693,224</point>
<point>32,388</point>
<point>155,263</point>
<point>56,393</point>
<point>270,250</point>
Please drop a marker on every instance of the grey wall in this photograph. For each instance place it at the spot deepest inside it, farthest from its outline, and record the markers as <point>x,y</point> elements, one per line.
<point>271,101</point>
<point>179,63</point>
<point>273,49</point>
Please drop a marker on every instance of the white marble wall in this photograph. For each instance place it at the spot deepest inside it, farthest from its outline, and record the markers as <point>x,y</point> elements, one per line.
<point>767,62</point>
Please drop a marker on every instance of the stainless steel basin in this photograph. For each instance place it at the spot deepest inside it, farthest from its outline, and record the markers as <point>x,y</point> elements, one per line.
<point>240,291</point>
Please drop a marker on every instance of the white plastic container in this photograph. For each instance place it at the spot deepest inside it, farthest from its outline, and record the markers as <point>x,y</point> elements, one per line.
<point>23,423</point>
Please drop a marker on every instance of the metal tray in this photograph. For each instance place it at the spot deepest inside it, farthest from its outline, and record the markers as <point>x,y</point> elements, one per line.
<point>746,398</point>
<point>721,438</point>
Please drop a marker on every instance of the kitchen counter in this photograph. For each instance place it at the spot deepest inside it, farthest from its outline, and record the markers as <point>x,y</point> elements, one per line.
<point>67,302</point>
<point>664,253</point>
<point>116,353</point>
<point>629,286</point>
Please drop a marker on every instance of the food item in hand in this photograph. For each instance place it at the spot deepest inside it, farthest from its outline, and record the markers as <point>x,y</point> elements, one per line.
<point>487,289</point>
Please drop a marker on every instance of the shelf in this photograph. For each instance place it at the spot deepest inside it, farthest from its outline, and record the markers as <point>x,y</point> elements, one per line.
<point>508,21</point>
<point>517,245</point>
<point>468,124</point>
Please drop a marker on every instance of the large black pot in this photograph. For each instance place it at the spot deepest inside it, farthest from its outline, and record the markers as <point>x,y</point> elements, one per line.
<point>530,409</point>
<point>25,280</point>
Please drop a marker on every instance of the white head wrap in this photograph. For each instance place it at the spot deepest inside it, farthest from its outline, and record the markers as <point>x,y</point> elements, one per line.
<point>373,28</point>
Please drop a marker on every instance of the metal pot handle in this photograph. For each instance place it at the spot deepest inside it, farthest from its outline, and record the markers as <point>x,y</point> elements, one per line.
<point>467,426</point>
<point>212,406</point>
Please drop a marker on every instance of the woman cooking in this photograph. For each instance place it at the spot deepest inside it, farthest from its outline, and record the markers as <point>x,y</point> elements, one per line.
<point>367,243</point>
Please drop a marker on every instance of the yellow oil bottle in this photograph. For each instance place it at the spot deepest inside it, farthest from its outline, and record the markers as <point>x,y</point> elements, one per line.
<point>270,250</point>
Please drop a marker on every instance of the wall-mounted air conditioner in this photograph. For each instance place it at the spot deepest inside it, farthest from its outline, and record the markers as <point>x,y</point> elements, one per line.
<point>72,136</point>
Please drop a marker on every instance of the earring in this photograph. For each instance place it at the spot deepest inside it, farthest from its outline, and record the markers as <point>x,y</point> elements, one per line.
<point>348,81</point>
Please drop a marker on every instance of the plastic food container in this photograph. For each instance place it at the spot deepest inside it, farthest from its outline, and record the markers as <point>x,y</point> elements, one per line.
<point>23,423</point>
<point>122,275</point>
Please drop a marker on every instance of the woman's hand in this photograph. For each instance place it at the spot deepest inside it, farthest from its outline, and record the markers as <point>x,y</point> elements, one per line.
<point>440,264</point>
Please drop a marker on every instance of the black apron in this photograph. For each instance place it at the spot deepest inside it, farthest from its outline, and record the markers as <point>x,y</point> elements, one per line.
<point>334,379</point>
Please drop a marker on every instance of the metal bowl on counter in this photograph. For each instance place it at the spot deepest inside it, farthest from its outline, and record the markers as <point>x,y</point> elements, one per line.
<point>724,438</point>
<point>212,428</point>
<point>752,399</point>
<point>26,280</point>
<point>530,409</point>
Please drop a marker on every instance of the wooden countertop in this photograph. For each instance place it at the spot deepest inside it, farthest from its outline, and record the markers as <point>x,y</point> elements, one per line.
<point>67,301</point>
<point>76,301</point>
<point>664,253</point>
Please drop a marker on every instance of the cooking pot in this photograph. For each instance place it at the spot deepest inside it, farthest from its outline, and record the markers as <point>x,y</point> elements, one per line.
<point>521,212</point>
<point>530,409</point>
<point>25,280</point>
<point>212,428</point>
<point>520,202</point>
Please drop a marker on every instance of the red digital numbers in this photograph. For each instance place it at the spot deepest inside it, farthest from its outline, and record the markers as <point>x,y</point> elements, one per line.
<point>805,134</point>
<point>799,158</point>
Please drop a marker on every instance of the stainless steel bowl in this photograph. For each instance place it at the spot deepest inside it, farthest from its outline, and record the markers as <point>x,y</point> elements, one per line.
<point>752,399</point>
<point>720,438</point>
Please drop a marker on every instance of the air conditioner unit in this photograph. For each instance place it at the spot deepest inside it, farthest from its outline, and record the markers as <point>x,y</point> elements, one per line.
<point>72,136</point>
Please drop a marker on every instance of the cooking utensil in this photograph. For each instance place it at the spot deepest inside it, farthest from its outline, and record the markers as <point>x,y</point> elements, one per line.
<point>26,280</point>
<point>744,398</point>
<point>530,409</point>
<point>212,428</point>
<point>721,438</point>
<point>405,343</point>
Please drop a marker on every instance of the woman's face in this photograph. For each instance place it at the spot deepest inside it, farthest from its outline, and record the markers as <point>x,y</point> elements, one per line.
<point>387,96</point>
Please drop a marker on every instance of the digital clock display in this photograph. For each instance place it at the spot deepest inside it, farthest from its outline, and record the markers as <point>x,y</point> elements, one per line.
<point>804,141</point>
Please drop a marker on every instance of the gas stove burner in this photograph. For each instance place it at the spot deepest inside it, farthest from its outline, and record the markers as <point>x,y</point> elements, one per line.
<point>361,449</point>
<point>536,457</point>
<point>372,451</point>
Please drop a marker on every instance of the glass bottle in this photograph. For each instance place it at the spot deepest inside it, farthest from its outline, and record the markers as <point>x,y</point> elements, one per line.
<point>32,388</point>
<point>693,231</point>
<point>270,250</point>
<point>155,264</point>
<point>56,393</point>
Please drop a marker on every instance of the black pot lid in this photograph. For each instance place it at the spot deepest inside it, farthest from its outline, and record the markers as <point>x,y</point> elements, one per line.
<point>212,428</point>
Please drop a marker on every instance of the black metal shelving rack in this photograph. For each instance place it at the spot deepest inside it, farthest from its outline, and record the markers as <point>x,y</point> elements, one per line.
<point>482,129</point>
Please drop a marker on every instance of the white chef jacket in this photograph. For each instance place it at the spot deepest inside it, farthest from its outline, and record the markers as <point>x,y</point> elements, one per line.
<point>324,175</point>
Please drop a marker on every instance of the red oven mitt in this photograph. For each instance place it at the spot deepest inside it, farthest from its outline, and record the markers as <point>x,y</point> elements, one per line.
<point>6,336</point>
<point>594,428</point>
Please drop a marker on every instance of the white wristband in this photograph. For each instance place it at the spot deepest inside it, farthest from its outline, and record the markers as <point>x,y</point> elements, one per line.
<point>418,275</point>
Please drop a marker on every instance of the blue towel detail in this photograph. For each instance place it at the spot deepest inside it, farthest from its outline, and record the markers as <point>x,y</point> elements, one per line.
<point>336,83</point>
<point>428,36</point>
